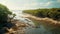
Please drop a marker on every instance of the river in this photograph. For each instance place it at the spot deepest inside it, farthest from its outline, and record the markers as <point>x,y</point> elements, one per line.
<point>30,30</point>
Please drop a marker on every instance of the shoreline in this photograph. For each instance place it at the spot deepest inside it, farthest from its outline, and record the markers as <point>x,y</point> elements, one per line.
<point>18,29</point>
<point>46,20</point>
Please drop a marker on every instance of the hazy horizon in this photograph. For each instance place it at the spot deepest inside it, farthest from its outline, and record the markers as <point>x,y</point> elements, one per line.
<point>30,4</point>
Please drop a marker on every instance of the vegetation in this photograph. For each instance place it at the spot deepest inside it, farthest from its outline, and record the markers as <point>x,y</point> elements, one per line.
<point>53,13</point>
<point>4,17</point>
<point>4,12</point>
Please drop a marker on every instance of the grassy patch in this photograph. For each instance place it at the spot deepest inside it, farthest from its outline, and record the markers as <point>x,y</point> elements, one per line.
<point>35,22</point>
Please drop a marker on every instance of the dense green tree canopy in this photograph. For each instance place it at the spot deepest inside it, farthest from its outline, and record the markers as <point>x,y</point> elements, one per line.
<point>4,12</point>
<point>53,13</point>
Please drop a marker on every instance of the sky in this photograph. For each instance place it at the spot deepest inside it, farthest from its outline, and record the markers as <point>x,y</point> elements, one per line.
<point>30,4</point>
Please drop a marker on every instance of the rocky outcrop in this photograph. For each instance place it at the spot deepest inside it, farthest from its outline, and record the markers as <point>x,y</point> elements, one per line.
<point>18,28</point>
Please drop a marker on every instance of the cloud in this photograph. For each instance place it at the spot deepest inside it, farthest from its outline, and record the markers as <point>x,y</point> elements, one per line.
<point>45,4</point>
<point>58,1</point>
<point>31,4</point>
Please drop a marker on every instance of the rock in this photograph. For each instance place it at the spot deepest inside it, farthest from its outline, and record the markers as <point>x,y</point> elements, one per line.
<point>3,30</point>
<point>22,25</point>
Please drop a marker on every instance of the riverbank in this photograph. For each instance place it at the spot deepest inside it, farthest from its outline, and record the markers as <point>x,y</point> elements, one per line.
<point>19,27</point>
<point>45,20</point>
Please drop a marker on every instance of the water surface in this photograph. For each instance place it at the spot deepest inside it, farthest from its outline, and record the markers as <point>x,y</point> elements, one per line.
<point>31,30</point>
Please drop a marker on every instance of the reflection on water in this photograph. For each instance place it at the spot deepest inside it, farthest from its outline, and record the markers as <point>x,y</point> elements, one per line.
<point>40,30</point>
<point>18,17</point>
<point>32,30</point>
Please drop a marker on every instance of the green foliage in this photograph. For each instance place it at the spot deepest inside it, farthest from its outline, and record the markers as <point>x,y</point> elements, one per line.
<point>4,12</point>
<point>51,13</point>
<point>4,19</point>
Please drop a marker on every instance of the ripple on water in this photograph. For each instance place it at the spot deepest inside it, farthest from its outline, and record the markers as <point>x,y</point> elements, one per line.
<point>30,30</point>
<point>40,30</point>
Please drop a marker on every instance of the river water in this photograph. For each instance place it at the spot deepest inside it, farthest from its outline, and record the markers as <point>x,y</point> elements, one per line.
<point>31,30</point>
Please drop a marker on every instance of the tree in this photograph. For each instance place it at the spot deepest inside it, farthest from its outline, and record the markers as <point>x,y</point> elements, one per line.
<point>4,12</point>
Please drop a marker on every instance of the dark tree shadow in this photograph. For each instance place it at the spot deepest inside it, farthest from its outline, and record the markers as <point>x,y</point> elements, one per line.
<point>4,26</point>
